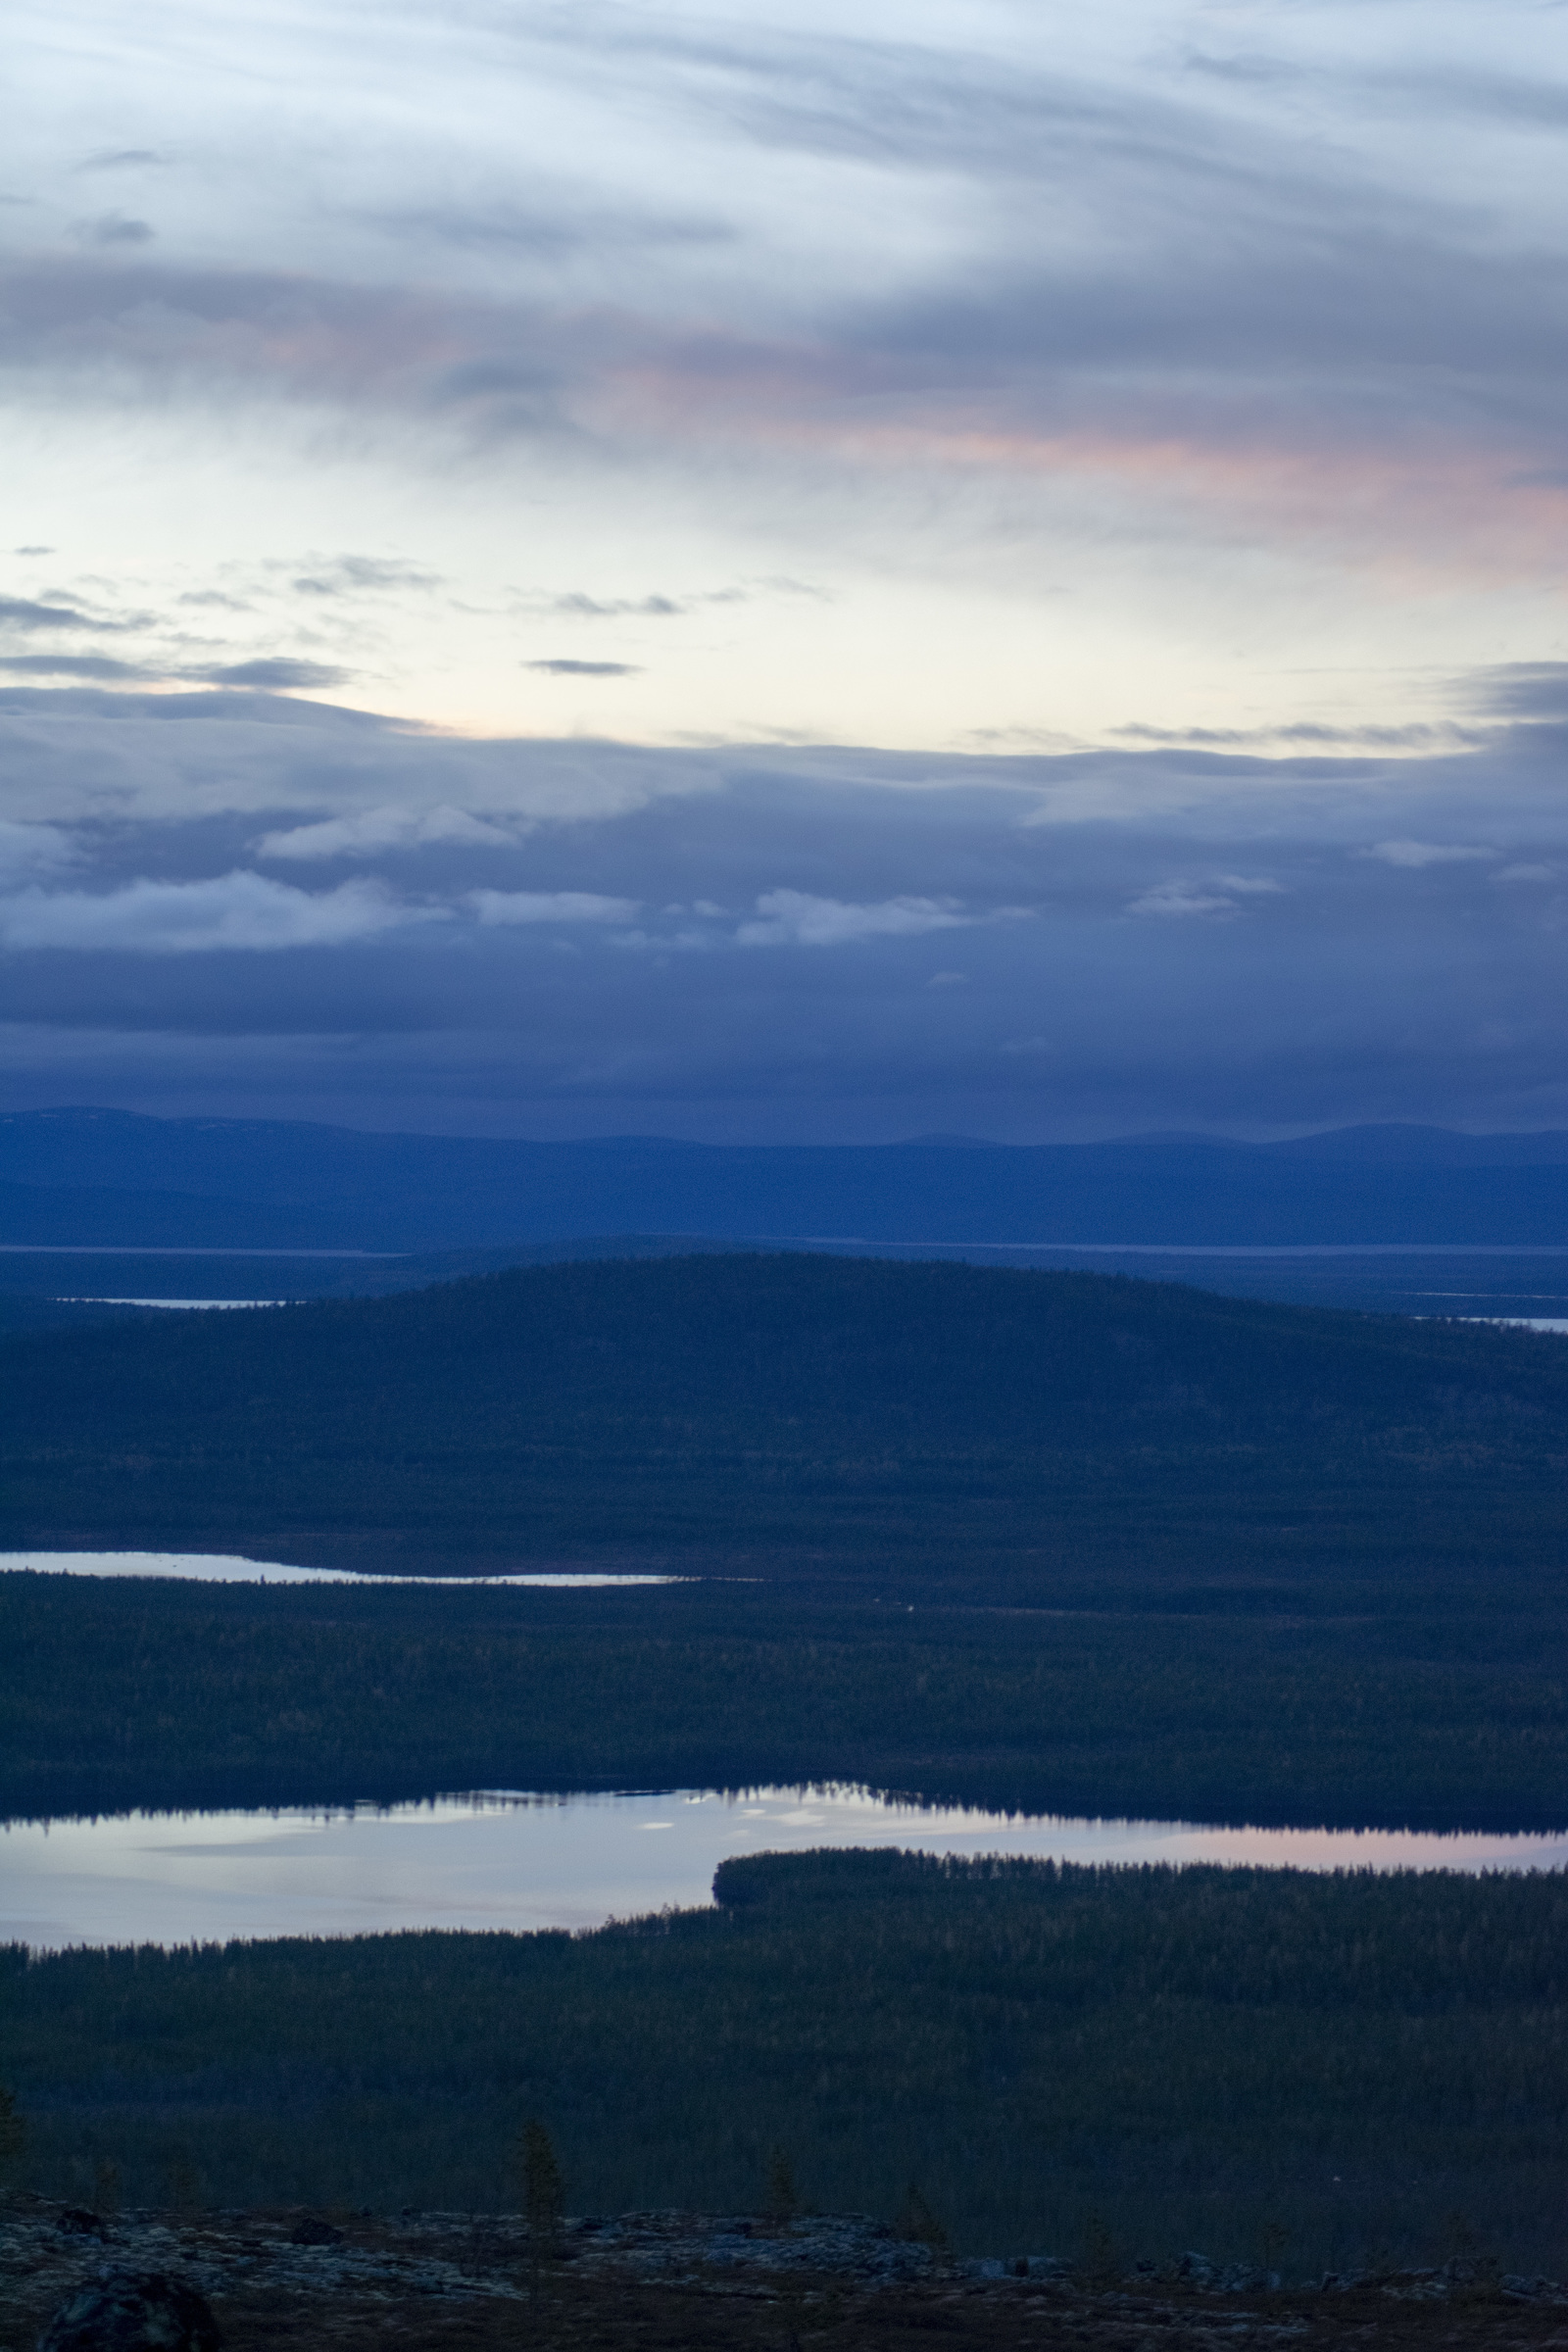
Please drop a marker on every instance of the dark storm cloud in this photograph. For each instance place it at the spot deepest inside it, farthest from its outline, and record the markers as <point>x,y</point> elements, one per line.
<point>359,914</point>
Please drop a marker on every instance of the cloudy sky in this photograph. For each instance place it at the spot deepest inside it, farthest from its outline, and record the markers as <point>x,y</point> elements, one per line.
<point>786,572</point>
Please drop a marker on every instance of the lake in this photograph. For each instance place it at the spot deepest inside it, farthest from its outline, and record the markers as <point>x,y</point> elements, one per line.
<point>230,1568</point>
<point>516,1861</point>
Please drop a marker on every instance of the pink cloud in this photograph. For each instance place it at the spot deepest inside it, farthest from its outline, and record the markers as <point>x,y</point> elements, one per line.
<point>1422,498</point>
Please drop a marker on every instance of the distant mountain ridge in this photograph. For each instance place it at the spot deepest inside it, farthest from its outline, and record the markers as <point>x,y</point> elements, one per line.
<point>114,1178</point>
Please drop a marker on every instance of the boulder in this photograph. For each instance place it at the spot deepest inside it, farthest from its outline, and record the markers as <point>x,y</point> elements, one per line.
<point>133,2311</point>
<point>1196,2270</point>
<point>77,2221</point>
<point>314,2231</point>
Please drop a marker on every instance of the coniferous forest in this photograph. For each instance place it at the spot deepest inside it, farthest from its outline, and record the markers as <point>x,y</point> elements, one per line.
<point>1051,1542</point>
<point>1308,2071</point>
<point>1006,1435</point>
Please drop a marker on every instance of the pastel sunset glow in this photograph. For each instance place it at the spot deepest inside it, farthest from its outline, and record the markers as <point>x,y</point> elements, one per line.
<point>527,445</point>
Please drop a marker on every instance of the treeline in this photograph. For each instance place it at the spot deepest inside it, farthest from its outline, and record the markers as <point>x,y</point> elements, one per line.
<point>163,1693</point>
<point>1026,1434</point>
<point>1316,2072</point>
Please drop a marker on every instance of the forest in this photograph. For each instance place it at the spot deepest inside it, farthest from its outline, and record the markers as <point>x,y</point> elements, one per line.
<point>175,1694</point>
<point>1042,1438</point>
<point>1051,1543</point>
<point>1312,2072</point>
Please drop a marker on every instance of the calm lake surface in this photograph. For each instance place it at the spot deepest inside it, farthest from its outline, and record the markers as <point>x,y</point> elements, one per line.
<point>515,1861</point>
<point>228,1568</point>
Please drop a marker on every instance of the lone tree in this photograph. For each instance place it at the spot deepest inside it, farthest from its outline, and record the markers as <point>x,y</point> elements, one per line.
<point>543,2202</point>
<point>916,2222</point>
<point>781,2200</point>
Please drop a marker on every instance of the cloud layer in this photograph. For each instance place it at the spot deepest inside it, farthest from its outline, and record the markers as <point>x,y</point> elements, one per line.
<point>289,909</point>
<point>1216,349</point>
<point>471,470</point>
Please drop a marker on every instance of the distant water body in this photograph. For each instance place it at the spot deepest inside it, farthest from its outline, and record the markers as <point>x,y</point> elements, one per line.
<point>81,1300</point>
<point>512,1861</point>
<point>227,1568</point>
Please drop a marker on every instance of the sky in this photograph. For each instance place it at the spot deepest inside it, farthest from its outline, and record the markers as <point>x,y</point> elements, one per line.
<point>786,573</point>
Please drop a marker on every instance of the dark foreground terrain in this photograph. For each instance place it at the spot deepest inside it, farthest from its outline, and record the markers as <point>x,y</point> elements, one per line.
<point>1332,2072</point>
<point>462,2283</point>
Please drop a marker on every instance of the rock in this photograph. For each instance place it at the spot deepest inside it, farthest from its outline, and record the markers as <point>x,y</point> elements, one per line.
<point>77,2221</point>
<point>1530,2290</point>
<point>1196,2270</point>
<point>1246,2278</point>
<point>314,2231</point>
<point>133,2311</point>
<point>1472,2269</point>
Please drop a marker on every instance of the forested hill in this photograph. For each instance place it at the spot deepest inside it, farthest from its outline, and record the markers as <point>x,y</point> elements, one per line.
<point>940,1420</point>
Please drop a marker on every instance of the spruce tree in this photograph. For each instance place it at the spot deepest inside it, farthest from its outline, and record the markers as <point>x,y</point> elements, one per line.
<point>13,2130</point>
<point>543,2202</point>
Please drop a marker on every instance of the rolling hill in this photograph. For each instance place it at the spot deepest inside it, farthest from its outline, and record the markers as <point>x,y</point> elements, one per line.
<point>1032,1433</point>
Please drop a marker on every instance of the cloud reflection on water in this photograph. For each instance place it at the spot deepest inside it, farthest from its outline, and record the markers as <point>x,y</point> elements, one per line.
<point>509,1861</point>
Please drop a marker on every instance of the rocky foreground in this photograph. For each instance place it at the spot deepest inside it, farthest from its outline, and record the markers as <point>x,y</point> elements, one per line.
<point>457,2282</point>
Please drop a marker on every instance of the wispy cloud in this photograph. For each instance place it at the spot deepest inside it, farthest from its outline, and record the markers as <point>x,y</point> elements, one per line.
<point>506,907</point>
<point>101,666</point>
<point>796,918</point>
<point>234,911</point>
<point>372,831</point>
<point>113,229</point>
<point>585,670</point>
<point>1417,853</point>
<point>1177,898</point>
<point>575,606</point>
<point>31,614</point>
<point>279,673</point>
<point>360,575</point>
<point>124,159</point>
<point>32,848</point>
